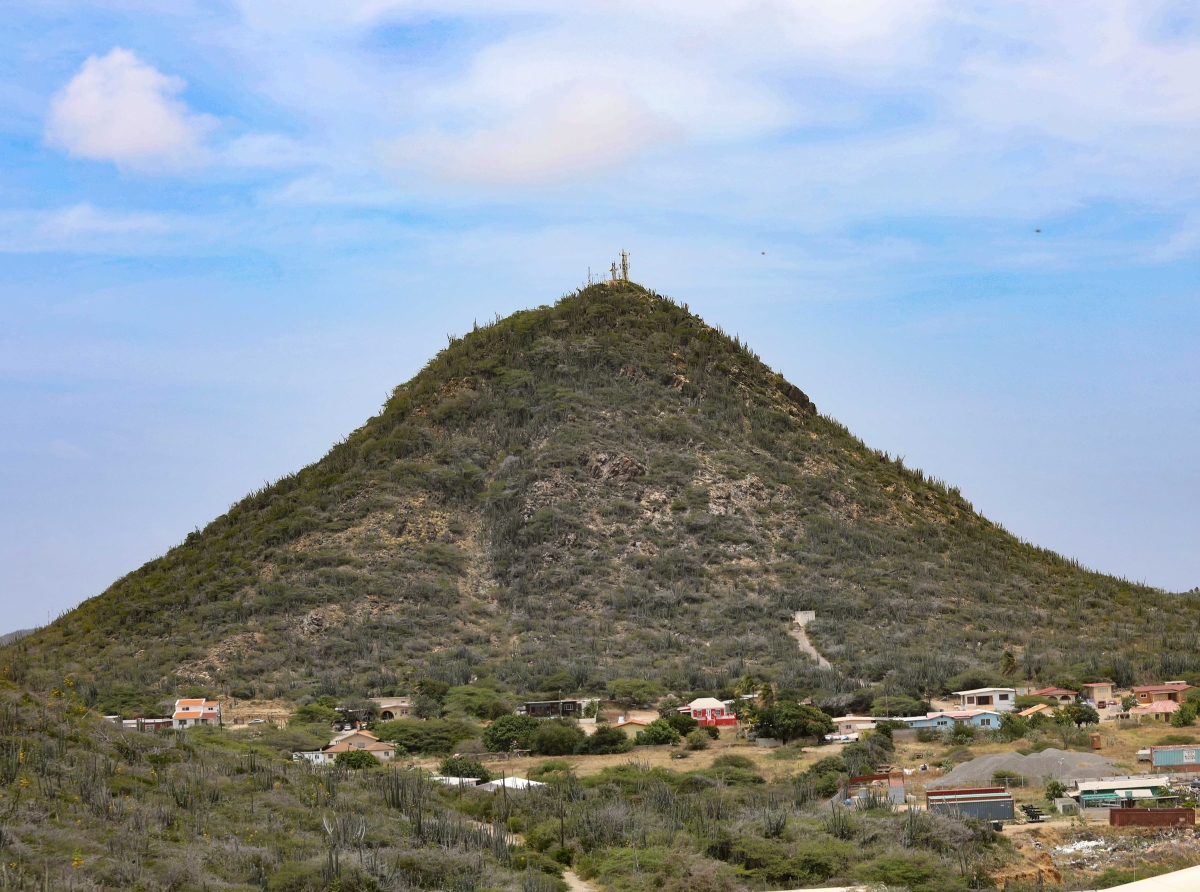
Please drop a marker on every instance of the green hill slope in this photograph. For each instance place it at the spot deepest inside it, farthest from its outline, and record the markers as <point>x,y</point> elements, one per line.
<point>600,489</point>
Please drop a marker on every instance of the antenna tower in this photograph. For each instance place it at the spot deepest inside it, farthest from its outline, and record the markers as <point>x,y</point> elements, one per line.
<point>625,265</point>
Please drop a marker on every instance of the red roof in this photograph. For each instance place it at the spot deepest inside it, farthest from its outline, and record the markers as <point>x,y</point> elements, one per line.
<point>1053,692</point>
<point>1157,706</point>
<point>1162,688</point>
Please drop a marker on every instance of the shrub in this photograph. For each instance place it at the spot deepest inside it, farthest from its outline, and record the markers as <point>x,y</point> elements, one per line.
<point>733,760</point>
<point>510,732</point>
<point>482,703</point>
<point>314,713</point>
<point>462,766</point>
<point>1184,716</point>
<point>929,735</point>
<point>605,741</point>
<point>633,691</point>
<point>1005,778</point>
<point>697,740</point>
<point>684,724</point>
<point>962,733</point>
<point>556,737</point>
<point>433,737</point>
<point>657,733</point>
<point>356,759</point>
<point>712,731</point>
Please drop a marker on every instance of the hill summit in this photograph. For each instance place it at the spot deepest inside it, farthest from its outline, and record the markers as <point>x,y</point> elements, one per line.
<point>604,488</point>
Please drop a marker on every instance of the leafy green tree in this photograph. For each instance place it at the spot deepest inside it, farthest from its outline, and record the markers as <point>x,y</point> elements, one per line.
<point>1128,702</point>
<point>356,759</point>
<point>313,713</point>
<point>787,720</point>
<point>630,692</point>
<point>1080,714</point>
<point>510,732</point>
<point>556,737</point>
<point>1184,716</point>
<point>464,766</point>
<point>684,724</point>
<point>668,707</point>
<point>697,740</point>
<point>1055,789</point>
<point>606,741</point>
<point>657,733</point>
<point>1013,726</point>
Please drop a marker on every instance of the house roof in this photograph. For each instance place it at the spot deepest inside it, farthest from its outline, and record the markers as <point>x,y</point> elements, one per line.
<point>960,713</point>
<point>343,746</point>
<point>1053,692</point>
<point>856,718</point>
<point>1159,706</point>
<point>1167,688</point>
<point>706,703</point>
<point>985,691</point>
<point>1035,709</point>
<point>1097,684</point>
<point>624,721</point>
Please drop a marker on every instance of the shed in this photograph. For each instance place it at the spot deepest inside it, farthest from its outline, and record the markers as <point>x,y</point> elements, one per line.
<point>1176,758</point>
<point>981,803</point>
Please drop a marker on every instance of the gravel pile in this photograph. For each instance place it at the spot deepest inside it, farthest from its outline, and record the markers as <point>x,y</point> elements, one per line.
<point>1038,767</point>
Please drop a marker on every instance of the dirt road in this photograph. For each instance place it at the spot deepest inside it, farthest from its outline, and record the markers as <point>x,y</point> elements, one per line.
<point>797,632</point>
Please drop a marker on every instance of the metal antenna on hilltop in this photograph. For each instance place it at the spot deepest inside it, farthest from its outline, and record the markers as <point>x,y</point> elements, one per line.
<point>612,276</point>
<point>625,265</point>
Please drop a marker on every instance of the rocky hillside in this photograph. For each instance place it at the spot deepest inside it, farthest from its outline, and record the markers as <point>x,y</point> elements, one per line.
<point>600,489</point>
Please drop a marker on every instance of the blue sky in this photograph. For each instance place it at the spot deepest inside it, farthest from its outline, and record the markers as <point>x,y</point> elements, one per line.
<point>227,229</point>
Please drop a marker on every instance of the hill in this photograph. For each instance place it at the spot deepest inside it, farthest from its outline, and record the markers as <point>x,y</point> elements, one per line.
<point>600,489</point>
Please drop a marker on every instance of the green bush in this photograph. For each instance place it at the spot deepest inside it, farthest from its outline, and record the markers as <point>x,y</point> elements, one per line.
<point>313,713</point>
<point>510,732</point>
<point>356,759</point>
<point>604,741</point>
<point>683,724</point>
<point>657,733</point>
<point>556,737</point>
<point>432,737</point>
<point>480,702</point>
<point>733,760</point>
<point>697,740</point>
<point>464,766</point>
<point>292,876</point>
<point>632,692</point>
<point>1184,716</point>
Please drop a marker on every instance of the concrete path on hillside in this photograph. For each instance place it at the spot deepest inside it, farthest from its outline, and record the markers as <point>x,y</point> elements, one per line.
<point>797,632</point>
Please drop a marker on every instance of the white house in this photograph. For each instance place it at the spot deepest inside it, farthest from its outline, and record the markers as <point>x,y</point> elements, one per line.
<point>197,711</point>
<point>996,699</point>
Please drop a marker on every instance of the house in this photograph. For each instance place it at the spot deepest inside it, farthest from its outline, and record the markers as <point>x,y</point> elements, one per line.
<point>393,707</point>
<point>1036,709</point>
<point>1153,693</point>
<point>196,711</point>
<point>1176,758</point>
<point>709,711</point>
<point>977,718</point>
<point>1159,709</point>
<point>1100,693</point>
<point>997,699</point>
<point>631,727</point>
<point>1062,695</point>
<point>154,723</point>
<point>852,724</point>
<point>1109,791</point>
<point>551,709</point>
<point>348,741</point>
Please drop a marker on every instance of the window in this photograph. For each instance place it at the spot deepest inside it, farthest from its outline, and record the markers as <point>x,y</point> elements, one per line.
<point>985,721</point>
<point>1003,697</point>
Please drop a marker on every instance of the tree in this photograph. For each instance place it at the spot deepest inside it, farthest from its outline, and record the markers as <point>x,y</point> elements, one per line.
<point>313,713</point>
<point>1184,716</point>
<point>556,737</point>
<point>1081,714</point>
<point>1008,664</point>
<point>356,759</point>
<point>669,707</point>
<point>630,692</point>
<point>480,702</point>
<point>509,732</point>
<point>1055,789</point>
<point>684,724</point>
<point>464,766</point>
<point>785,721</point>
<point>1013,726</point>
<point>1128,702</point>
<point>697,740</point>
<point>656,733</point>
<point>605,741</point>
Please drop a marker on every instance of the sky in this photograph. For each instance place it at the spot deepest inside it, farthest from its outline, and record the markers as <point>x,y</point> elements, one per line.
<point>970,231</point>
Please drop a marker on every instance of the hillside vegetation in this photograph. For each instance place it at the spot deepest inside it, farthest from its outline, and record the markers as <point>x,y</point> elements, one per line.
<point>603,489</point>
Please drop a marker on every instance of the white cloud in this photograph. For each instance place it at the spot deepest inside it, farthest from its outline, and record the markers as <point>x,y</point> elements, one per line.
<point>81,228</point>
<point>574,130</point>
<point>119,109</point>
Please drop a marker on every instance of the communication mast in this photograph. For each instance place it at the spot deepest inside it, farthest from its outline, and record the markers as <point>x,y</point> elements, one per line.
<point>625,265</point>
